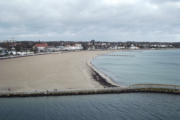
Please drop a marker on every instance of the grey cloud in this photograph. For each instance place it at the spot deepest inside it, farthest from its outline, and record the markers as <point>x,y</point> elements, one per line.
<point>121,20</point>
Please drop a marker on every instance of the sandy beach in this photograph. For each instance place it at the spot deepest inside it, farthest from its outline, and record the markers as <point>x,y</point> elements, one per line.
<point>48,72</point>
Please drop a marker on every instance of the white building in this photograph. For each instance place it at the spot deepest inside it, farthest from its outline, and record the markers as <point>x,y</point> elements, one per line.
<point>12,52</point>
<point>40,47</point>
<point>73,47</point>
<point>2,51</point>
<point>133,47</point>
<point>1,48</point>
<point>60,48</point>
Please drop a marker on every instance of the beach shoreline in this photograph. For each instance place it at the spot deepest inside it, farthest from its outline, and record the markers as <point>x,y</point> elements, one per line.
<point>87,78</point>
<point>71,70</point>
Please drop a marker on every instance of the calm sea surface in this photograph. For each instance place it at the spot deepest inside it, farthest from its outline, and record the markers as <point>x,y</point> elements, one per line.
<point>135,67</point>
<point>142,66</point>
<point>92,107</point>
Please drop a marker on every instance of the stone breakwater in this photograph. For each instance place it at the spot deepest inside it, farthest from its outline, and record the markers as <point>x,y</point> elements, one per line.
<point>110,90</point>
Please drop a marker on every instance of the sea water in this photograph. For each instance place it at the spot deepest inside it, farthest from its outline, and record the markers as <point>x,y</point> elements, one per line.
<point>132,106</point>
<point>141,66</point>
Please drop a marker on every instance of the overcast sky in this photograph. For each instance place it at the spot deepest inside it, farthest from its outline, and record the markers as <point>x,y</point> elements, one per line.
<point>82,20</point>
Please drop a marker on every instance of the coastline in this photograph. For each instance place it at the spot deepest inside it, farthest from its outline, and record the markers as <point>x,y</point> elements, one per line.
<point>106,85</point>
<point>59,71</point>
<point>102,78</point>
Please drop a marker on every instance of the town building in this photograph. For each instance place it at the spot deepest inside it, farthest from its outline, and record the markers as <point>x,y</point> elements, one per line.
<point>133,47</point>
<point>3,52</point>
<point>73,47</point>
<point>40,47</point>
<point>12,51</point>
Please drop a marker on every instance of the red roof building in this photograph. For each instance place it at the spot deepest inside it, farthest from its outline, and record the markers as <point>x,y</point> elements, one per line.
<point>41,45</point>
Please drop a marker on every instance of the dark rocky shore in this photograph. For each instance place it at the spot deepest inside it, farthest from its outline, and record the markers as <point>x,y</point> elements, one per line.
<point>100,79</point>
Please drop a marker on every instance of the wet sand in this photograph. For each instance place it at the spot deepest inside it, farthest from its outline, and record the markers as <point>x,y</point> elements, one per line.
<point>48,72</point>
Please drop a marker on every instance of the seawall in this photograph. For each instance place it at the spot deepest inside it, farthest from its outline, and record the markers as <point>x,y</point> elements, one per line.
<point>98,76</point>
<point>114,90</point>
